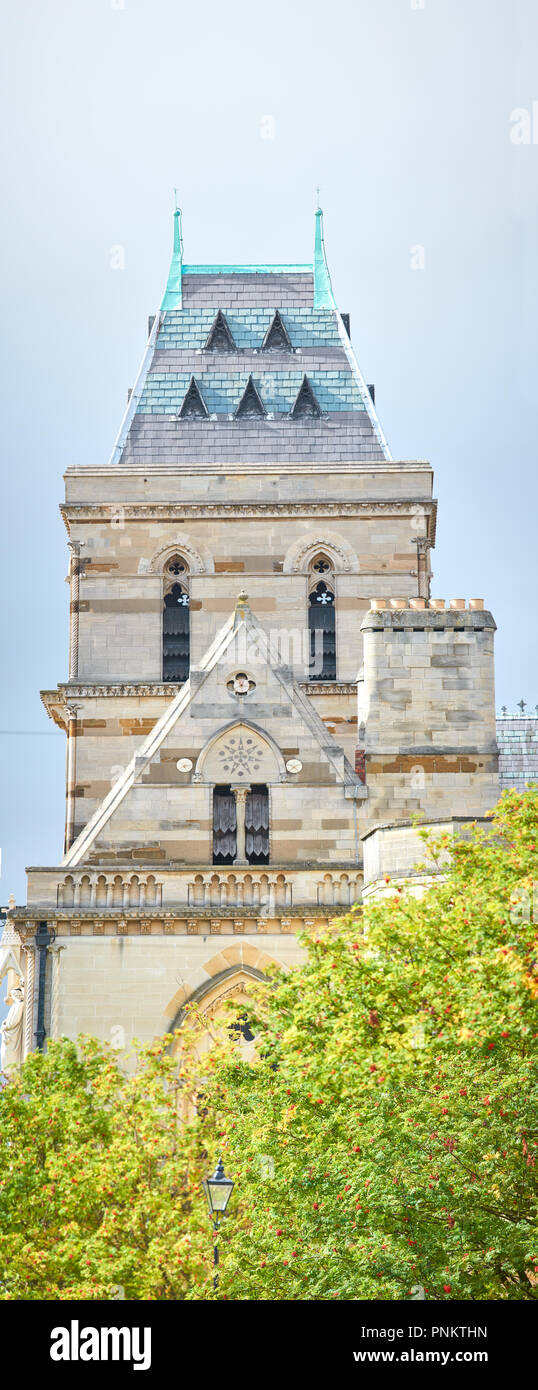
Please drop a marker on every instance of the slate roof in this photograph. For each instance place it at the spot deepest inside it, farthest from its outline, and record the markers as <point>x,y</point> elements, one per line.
<point>517,739</point>
<point>314,344</point>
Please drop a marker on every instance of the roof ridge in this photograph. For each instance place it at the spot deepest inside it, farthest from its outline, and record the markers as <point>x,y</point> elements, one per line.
<point>254,269</point>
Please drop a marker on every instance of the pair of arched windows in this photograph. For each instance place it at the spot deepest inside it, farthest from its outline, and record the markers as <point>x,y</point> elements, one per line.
<point>255,832</point>
<point>321,620</point>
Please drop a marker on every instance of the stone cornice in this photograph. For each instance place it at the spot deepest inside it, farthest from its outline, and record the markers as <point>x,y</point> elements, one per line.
<point>437,620</point>
<point>175,511</point>
<point>88,689</point>
<point>34,911</point>
<point>182,921</point>
<point>170,869</point>
<point>56,701</point>
<point>157,470</point>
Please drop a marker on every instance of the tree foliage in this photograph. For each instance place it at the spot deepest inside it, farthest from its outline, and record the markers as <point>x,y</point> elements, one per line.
<point>99,1185</point>
<point>395,1092</point>
<point>384,1135</point>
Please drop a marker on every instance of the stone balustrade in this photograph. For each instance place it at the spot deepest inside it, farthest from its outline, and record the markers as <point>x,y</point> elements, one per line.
<point>257,890</point>
<point>264,890</point>
<point>339,890</point>
<point>109,890</point>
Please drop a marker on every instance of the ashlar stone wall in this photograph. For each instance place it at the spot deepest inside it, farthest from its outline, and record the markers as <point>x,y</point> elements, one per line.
<point>426,716</point>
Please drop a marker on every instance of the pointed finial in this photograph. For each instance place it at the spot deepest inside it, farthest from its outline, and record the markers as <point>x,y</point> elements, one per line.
<point>172,298</point>
<point>175,199</point>
<point>317,199</point>
<point>323,291</point>
<point>242,599</point>
<point>178,233</point>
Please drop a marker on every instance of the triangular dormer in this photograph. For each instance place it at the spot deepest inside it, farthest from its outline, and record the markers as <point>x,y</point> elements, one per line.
<point>220,338</point>
<point>251,404</point>
<point>194,407</point>
<point>277,338</point>
<point>306,406</point>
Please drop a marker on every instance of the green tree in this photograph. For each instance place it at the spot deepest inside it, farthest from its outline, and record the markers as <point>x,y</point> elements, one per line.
<point>395,1093</point>
<point>99,1183</point>
<point>384,1135</point>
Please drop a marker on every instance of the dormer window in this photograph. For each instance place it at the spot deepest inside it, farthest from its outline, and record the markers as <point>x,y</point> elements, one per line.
<point>220,338</point>
<point>194,406</point>
<point>305,406</point>
<point>277,338</point>
<point>251,405</point>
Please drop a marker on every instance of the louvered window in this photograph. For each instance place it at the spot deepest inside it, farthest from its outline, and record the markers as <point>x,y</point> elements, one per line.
<point>224,826</point>
<point>321,622</point>
<point>176,634</point>
<point>257,825</point>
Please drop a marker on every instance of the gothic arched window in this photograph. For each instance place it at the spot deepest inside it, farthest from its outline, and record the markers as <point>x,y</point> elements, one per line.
<point>224,826</point>
<point>176,621</point>
<point>322,621</point>
<point>257,825</point>
<point>241,825</point>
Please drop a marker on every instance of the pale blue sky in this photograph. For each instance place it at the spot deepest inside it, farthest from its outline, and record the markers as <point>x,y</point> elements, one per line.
<point>402,115</point>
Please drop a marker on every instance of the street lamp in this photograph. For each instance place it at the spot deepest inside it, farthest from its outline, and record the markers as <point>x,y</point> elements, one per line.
<point>218,1191</point>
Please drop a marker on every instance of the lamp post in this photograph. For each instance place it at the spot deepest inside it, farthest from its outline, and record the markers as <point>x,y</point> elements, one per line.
<point>218,1191</point>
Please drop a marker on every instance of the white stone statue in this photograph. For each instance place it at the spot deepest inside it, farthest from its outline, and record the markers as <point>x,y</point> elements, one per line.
<point>11,1031</point>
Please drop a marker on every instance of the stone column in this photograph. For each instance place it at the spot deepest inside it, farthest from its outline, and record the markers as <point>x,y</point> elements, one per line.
<point>70,776</point>
<point>423,547</point>
<point>29,959</point>
<point>55,991</point>
<point>74,606</point>
<point>240,794</point>
<point>44,938</point>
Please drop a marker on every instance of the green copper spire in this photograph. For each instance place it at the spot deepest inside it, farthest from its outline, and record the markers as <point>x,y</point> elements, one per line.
<point>323,291</point>
<point>172,298</point>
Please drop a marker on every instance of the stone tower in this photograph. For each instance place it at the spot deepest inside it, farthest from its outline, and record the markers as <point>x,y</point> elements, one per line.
<point>258,680</point>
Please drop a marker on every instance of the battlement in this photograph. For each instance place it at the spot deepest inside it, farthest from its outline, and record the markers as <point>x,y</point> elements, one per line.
<point>437,604</point>
<point>420,613</point>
